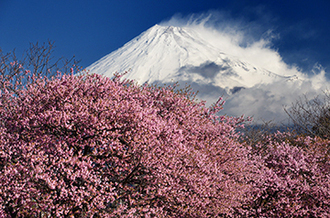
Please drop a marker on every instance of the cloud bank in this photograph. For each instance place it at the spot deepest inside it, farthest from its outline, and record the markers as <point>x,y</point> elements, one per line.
<point>251,42</point>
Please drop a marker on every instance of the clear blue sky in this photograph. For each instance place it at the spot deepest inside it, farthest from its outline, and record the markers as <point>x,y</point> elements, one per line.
<point>91,29</point>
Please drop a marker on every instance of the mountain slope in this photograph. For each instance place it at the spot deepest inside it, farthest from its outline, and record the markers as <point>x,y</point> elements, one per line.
<point>170,53</point>
<point>166,54</point>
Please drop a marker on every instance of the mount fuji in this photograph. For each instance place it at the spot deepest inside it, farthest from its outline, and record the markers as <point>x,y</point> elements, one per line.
<point>252,78</point>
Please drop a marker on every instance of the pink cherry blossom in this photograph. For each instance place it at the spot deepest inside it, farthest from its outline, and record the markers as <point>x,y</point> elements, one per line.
<point>93,146</point>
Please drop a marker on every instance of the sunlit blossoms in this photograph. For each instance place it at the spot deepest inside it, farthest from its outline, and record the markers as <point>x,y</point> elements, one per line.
<point>89,146</point>
<point>293,180</point>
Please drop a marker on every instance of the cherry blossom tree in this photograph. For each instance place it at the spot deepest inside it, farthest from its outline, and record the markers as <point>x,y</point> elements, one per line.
<point>293,178</point>
<point>89,146</point>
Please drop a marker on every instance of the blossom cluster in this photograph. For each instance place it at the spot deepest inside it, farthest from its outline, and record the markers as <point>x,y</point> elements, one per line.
<point>293,178</point>
<point>91,146</point>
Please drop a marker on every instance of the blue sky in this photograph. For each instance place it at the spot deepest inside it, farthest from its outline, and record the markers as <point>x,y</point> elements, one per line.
<point>299,30</point>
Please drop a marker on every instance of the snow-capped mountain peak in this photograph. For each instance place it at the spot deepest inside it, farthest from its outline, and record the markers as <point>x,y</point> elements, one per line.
<point>208,61</point>
<point>168,53</point>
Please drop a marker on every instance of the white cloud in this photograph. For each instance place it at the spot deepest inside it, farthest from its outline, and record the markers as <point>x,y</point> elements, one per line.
<point>252,43</point>
<point>267,102</point>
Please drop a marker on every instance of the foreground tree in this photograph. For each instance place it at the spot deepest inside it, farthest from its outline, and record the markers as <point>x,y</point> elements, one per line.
<point>98,147</point>
<point>293,178</point>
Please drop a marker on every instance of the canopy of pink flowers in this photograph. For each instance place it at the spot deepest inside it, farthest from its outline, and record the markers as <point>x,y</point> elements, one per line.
<point>90,146</point>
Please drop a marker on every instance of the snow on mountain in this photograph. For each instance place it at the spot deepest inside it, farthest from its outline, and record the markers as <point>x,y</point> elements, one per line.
<point>253,79</point>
